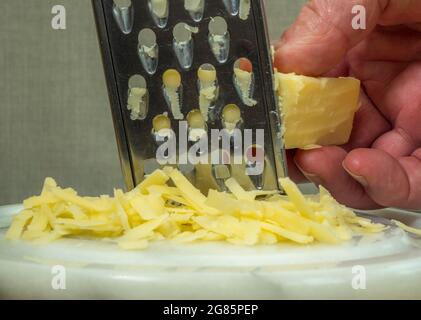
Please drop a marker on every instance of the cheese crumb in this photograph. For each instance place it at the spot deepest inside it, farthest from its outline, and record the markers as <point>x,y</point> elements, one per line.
<point>166,206</point>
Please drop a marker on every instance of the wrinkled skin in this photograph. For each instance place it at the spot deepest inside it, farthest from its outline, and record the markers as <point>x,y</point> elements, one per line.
<point>381,165</point>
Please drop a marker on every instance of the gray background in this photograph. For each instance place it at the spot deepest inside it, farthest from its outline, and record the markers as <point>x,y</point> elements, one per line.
<point>54,112</point>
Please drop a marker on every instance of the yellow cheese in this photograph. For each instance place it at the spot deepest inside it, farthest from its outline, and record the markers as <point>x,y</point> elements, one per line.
<point>224,202</point>
<point>317,112</point>
<point>46,198</point>
<point>149,207</point>
<point>286,219</point>
<point>296,197</point>
<point>267,238</point>
<point>189,236</point>
<point>190,193</point>
<point>122,215</point>
<point>157,178</point>
<point>18,225</point>
<point>237,190</point>
<point>322,233</point>
<point>86,203</point>
<point>296,237</point>
<point>406,228</point>
<point>145,230</point>
<point>175,210</point>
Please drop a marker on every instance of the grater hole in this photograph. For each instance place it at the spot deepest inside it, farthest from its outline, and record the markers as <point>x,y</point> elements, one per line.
<point>161,122</point>
<point>244,9</point>
<point>148,50</point>
<point>137,81</point>
<point>159,10</point>
<point>197,125</point>
<point>244,81</point>
<point>231,114</point>
<point>208,90</point>
<point>207,73</point>
<point>218,26</point>
<point>183,44</point>
<point>147,38</point>
<point>162,132</point>
<point>232,6</point>
<point>181,32</point>
<point>219,39</point>
<point>195,119</point>
<point>244,64</point>
<point>138,98</point>
<point>195,8</point>
<point>121,4</point>
<point>173,89</point>
<point>171,79</point>
<point>123,15</point>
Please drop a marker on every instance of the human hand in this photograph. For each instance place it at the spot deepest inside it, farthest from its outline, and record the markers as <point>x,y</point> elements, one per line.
<point>381,164</point>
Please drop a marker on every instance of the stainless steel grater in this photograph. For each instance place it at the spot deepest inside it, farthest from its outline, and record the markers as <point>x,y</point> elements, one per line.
<point>183,70</point>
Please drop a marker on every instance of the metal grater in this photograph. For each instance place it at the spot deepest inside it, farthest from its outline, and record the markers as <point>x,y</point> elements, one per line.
<point>158,52</point>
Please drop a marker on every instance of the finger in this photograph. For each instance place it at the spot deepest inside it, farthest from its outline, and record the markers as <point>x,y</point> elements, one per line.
<point>324,166</point>
<point>323,32</point>
<point>381,175</point>
<point>322,35</point>
<point>412,166</point>
<point>397,45</point>
<point>401,12</point>
<point>293,172</point>
<point>341,70</point>
<point>397,143</point>
<point>415,26</point>
<point>376,75</point>
<point>393,87</point>
<point>369,124</point>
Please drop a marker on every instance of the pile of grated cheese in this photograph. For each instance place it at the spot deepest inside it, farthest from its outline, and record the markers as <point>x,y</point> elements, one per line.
<point>167,206</point>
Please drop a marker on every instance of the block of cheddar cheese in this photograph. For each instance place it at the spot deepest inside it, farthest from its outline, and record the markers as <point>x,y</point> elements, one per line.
<point>317,111</point>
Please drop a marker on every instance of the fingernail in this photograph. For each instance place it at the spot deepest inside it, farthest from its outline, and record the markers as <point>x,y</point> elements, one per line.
<point>360,179</point>
<point>310,176</point>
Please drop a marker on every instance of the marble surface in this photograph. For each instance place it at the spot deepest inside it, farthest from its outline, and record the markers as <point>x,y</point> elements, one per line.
<point>98,269</point>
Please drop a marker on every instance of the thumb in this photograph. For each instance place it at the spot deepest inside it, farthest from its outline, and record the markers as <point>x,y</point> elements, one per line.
<point>323,34</point>
<point>383,177</point>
